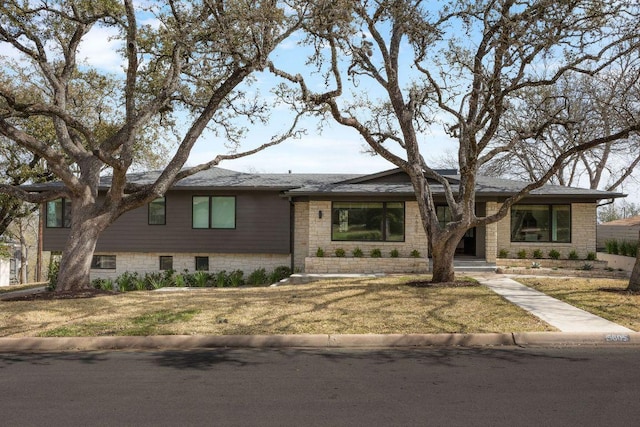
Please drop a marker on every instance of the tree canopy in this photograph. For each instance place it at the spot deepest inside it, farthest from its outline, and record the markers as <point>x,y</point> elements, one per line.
<point>397,70</point>
<point>183,65</point>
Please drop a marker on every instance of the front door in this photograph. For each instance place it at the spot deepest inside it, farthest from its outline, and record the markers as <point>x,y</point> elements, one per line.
<point>467,245</point>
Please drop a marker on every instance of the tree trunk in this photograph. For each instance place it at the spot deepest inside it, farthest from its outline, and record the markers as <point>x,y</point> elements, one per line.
<point>442,254</point>
<point>634,281</point>
<point>75,264</point>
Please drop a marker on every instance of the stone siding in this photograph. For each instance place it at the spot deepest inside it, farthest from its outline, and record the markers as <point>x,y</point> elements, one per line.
<point>319,236</point>
<point>150,262</point>
<point>583,234</point>
<point>317,265</point>
<point>300,235</point>
<point>320,233</point>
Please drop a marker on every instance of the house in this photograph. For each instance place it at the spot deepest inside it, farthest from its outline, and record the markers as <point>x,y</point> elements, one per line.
<point>224,220</point>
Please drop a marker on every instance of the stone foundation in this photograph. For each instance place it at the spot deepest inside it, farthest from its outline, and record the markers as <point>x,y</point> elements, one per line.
<point>324,265</point>
<point>150,262</point>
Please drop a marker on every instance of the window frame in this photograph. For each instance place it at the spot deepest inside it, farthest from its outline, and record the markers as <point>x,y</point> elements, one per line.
<point>65,213</point>
<point>210,211</point>
<point>164,211</point>
<point>97,265</point>
<point>550,209</point>
<point>384,237</point>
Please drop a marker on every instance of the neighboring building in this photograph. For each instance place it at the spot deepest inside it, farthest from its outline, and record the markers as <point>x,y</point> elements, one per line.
<point>225,220</point>
<point>626,229</point>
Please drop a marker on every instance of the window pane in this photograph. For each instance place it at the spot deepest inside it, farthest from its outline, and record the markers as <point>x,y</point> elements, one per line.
<point>561,223</point>
<point>103,262</point>
<point>541,223</point>
<point>201,212</point>
<point>530,223</point>
<point>157,212</point>
<point>223,212</point>
<point>54,213</point>
<point>357,221</point>
<point>202,263</point>
<point>166,263</point>
<point>395,222</point>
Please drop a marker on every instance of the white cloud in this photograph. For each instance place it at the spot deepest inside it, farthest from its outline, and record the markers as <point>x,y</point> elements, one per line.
<point>99,49</point>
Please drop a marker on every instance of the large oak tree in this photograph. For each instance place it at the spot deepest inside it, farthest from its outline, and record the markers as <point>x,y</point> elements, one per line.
<point>180,75</point>
<point>397,69</point>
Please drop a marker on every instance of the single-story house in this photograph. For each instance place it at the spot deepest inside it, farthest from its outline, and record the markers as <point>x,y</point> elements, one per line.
<point>224,220</point>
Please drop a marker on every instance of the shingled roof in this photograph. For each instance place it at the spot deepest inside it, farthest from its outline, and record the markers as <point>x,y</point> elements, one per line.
<point>391,182</point>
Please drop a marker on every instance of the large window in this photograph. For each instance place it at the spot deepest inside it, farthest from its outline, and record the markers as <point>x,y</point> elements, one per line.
<point>541,223</point>
<point>158,212</point>
<point>59,213</point>
<point>103,262</point>
<point>214,212</point>
<point>368,221</point>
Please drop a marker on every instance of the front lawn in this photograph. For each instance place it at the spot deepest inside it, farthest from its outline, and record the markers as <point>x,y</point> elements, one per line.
<point>353,306</point>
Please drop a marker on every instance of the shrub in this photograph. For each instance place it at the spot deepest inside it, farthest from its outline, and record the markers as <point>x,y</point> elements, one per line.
<point>357,252</point>
<point>587,266</point>
<point>522,254</point>
<point>179,281</point>
<point>537,254</point>
<point>222,279</point>
<point>611,246</point>
<point>281,272</point>
<point>573,254</point>
<point>535,265</point>
<point>52,274</point>
<point>258,277</point>
<point>554,254</point>
<point>394,253</point>
<point>236,279</point>
<point>126,281</point>
<point>623,248</point>
<point>103,284</point>
<point>503,253</point>
<point>591,256</point>
<point>375,253</point>
<point>201,279</point>
<point>415,253</point>
<point>340,252</point>
<point>320,252</point>
<point>154,281</point>
<point>632,249</point>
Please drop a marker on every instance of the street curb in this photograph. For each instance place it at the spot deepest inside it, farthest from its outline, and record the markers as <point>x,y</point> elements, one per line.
<point>187,342</point>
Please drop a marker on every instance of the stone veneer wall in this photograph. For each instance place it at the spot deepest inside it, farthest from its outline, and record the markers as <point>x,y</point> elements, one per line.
<point>300,235</point>
<point>491,234</point>
<point>150,262</point>
<point>366,265</point>
<point>583,234</point>
<point>319,236</point>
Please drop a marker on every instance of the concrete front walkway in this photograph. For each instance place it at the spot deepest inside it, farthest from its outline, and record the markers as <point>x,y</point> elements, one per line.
<point>561,315</point>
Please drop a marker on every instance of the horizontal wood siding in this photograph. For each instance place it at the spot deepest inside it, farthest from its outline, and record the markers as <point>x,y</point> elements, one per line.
<point>262,226</point>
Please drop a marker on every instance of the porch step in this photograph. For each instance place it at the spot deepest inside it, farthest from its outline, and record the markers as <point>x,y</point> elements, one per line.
<point>474,266</point>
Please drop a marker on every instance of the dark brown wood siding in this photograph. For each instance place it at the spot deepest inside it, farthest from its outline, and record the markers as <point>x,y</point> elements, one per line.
<point>262,226</point>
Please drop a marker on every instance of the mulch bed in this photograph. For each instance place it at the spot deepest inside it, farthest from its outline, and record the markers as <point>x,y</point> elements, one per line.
<point>52,295</point>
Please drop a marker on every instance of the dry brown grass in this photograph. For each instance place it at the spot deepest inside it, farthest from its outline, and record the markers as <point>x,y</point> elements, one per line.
<point>385,305</point>
<point>603,297</point>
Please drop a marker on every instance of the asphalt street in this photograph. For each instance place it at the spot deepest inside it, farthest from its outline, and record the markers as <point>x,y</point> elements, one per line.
<point>328,387</point>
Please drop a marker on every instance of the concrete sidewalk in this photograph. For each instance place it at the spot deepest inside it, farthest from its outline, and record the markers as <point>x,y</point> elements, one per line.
<point>561,315</point>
